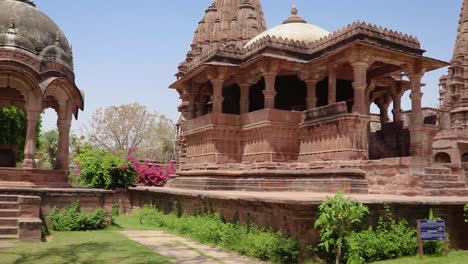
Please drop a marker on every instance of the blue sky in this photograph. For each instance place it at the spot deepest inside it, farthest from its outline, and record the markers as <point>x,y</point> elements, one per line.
<point>128,51</point>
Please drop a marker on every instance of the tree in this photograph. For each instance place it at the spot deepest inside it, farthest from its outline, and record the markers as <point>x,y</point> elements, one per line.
<point>13,129</point>
<point>121,128</point>
<point>336,218</point>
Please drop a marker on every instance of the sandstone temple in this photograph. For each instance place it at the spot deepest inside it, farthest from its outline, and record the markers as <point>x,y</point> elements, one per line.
<point>288,108</point>
<point>273,120</point>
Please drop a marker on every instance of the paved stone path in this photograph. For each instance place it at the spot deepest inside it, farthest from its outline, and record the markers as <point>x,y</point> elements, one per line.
<point>185,251</point>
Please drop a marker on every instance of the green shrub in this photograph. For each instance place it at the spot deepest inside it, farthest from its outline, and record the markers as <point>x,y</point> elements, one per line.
<point>391,239</point>
<point>73,219</point>
<point>337,216</point>
<point>252,241</point>
<point>115,210</point>
<point>101,169</point>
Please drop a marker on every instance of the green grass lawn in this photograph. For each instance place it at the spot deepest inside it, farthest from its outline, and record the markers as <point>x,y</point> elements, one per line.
<point>106,246</point>
<point>455,257</point>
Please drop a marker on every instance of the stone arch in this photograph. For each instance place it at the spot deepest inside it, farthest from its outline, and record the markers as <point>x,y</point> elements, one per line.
<point>22,82</point>
<point>65,92</point>
<point>442,157</point>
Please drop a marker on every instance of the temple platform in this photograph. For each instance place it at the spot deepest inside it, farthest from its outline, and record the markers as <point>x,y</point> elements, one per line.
<point>33,178</point>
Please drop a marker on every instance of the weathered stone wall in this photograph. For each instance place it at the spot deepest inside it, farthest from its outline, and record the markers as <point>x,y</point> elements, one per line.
<point>296,218</point>
<point>89,199</point>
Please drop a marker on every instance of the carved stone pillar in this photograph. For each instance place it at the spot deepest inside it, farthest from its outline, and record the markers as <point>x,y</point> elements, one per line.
<point>418,135</point>
<point>270,92</point>
<point>217,97</point>
<point>359,86</point>
<point>191,107</point>
<point>311,93</point>
<point>244,97</point>
<point>63,148</point>
<point>30,146</point>
<point>397,111</point>
<point>331,85</point>
<point>383,113</point>
<point>416,98</point>
<point>201,105</point>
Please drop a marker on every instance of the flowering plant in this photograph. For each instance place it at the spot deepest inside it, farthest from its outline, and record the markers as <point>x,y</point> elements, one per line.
<point>151,174</point>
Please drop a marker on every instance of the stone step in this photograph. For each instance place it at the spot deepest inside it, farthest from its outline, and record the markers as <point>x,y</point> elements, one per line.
<point>354,188</point>
<point>8,230</point>
<point>444,185</point>
<point>6,213</point>
<point>8,198</point>
<point>8,205</point>
<point>446,192</point>
<point>8,221</point>
<point>437,170</point>
<point>4,237</point>
<point>441,177</point>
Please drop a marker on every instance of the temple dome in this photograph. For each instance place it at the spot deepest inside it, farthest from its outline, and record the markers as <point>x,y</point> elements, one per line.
<point>23,26</point>
<point>294,28</point>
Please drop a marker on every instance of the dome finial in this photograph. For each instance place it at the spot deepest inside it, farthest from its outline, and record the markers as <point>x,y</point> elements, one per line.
<point>294,18</point>
<point>294,11</point>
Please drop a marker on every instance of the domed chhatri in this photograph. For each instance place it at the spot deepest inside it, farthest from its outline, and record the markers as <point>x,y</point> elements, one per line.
<point>36,72</point>
<point>23,26</point>
<point>294,28</point>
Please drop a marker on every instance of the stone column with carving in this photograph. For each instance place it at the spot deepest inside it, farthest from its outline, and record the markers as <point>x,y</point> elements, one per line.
<point>244,97</point>
<point>201,105</point>
<point>416,125</point>
<point>192,99</point>
<point>270,92</point>
<point>416,101</point>
<point>331,84</point>
<point>63,148</point>
<point>30,146</point>
<point>217,97</point>
<point>383,113</point>
<point>359,86</point>
<point>397,111</point>
<point>311,93</point>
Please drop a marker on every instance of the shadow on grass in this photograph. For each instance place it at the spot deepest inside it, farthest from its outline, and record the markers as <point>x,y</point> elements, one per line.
<point>104,252</point>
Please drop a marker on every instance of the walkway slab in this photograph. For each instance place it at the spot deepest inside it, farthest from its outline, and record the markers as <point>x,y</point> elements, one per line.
<point>185,251</point>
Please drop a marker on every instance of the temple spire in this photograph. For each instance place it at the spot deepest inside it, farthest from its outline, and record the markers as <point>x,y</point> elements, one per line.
<point>462,36</point>
<point>228,23</point>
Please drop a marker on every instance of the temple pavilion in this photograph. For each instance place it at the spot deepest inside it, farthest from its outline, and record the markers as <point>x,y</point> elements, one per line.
<point>297,93</point>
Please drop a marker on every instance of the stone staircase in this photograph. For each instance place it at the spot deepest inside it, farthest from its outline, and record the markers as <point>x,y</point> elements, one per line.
<point>441,181</point>
<point>19,217</point>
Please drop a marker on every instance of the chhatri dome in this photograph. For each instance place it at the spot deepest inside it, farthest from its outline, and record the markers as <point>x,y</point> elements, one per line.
<point>36,73</point>
<point>24,26</point>
<point>294,28</point>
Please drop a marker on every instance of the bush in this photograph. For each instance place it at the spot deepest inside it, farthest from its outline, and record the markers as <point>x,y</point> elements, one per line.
<point>150,174</point>
<point>101,169</point>
<point>391,239</point>
<point>337,215</point>
<point>73,219</point>
<point>252,241</point>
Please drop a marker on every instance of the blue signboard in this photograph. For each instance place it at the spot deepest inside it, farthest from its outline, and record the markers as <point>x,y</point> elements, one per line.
<point>432,230</point>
